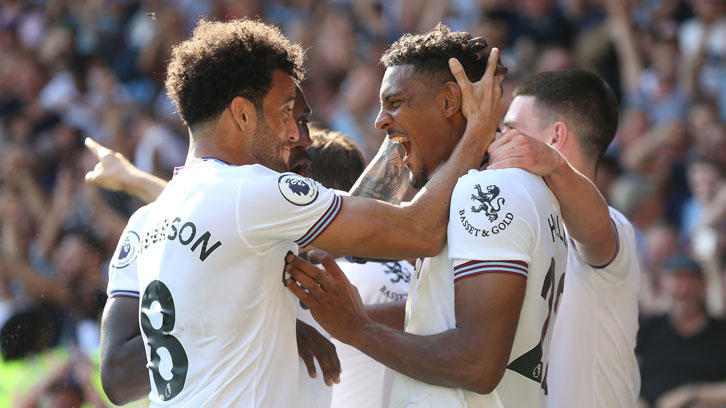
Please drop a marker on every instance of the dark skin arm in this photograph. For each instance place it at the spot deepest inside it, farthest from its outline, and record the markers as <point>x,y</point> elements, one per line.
<point>124,376</point>
<point>472,356</point>
<point>391,314</point>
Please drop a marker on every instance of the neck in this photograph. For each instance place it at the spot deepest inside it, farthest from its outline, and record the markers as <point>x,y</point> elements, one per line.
<point>688,324</point>
<point>581,163</point>
<point>213,142</point>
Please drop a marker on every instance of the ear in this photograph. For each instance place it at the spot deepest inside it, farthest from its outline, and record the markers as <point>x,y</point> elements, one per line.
<point>560,135</point>
<point>451,99</point>
<point>243,112</point>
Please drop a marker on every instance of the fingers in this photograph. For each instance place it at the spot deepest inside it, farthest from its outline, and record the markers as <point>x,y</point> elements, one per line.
<point>322,277</point>
<point>305,281</point>
<point>491,64</point>
<point>301,294</point>
<point>327,359</point>
<point>329,264</point>
<point>307,358</point>
<point>457,70</point>
<point>97,149</point>
<point>508,163</point>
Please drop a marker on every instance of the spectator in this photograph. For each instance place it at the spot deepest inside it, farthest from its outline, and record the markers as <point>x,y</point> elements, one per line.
<point>683,348</point>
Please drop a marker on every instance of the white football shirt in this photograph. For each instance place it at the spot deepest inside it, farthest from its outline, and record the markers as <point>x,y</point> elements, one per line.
<point>123,280</point>
<point>501,221</point>
<point>218,324</point>
<point>592,358</point>
<point>364,382</point>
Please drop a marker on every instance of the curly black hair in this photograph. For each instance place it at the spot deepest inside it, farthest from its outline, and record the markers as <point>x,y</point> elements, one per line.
<point>429,54</point>
<point>223,60</point>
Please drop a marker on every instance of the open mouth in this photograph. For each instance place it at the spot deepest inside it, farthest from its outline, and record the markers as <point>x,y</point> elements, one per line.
<point>406,145</point>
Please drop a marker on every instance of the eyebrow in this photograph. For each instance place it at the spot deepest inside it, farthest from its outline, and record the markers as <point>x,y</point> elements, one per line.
<point>391,95</point>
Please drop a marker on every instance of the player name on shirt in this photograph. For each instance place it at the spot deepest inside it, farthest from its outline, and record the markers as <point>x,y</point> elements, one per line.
<point>186,234</point>
<point>556,228</point>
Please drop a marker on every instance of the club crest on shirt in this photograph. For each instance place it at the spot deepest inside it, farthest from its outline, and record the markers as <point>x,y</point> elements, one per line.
<point>399,274</point>
<point>297,190</point>
<point>489,206</point>
<point>489,202</point>
<point>129,251</point>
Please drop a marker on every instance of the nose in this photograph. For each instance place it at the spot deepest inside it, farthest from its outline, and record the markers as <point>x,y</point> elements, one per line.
<point>304,135</point>
<point>384,120</point>
<point>292,132</point>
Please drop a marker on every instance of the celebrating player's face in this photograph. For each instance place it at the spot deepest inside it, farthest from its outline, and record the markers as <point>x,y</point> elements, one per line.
<point>299,160</point>
<point>411,116</point>
<point>275,128</point>
<point>523,117</point>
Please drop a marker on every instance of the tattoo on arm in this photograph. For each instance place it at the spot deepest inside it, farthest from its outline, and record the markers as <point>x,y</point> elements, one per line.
<point>386,176</point>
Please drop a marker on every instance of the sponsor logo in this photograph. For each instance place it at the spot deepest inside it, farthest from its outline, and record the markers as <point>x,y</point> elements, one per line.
<point>297,190</point>
<point>489,202</point>
<point>129,251</point>
<point>391,295</point>
<point>490,205</point>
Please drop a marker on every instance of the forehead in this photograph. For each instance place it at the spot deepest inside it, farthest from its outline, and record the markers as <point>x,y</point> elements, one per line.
<point>521,108</point>
<point>283,87</point>
<point>301,104</point>
<point>398,79</point>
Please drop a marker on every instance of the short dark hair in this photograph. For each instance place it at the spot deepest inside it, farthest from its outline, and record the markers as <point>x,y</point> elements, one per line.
<point>429,54</point>
<point>579,98</point>
<point>335,161</point>
<point>223,60</point>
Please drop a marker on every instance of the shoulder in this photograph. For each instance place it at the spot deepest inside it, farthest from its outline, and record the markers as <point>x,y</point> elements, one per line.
<point>513,187</point>
<point>510,175</point>
<point>139,216</point>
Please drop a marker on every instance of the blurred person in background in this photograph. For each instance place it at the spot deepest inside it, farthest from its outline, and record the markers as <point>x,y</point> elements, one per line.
<point>681,354</point>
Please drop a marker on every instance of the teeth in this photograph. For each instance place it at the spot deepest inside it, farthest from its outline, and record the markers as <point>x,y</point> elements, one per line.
<point>398,139</point>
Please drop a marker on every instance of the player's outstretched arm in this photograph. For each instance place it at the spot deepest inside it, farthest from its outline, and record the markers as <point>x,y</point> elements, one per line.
<point>124,376</point>
<point>472,356</point>
<point>584,210</point>
<point>374,229</point>
<point>114,172</point>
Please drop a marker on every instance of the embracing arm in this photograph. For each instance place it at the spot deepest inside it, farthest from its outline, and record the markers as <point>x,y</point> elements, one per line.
<point>386,176</point>
<point>584,210</point>
<point>124,376</point>
<point>472,356</point>
<point>585,214</point>
<point>391,314</point>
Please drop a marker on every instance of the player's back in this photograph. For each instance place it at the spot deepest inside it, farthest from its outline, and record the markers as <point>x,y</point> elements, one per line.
<point>510,214</point>
<point>217,321</point>
<point>593,358</point>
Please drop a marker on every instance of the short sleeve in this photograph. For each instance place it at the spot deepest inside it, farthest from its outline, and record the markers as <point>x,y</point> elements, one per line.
<point>273,207</point>
<point>493,222</point>
<point>123,280</point>
<point>625,259</point>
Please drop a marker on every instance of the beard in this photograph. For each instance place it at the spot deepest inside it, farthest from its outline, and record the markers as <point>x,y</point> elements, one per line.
<point>266,146</point>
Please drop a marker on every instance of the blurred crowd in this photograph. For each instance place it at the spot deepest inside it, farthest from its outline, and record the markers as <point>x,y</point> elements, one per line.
<point>71,69</point>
